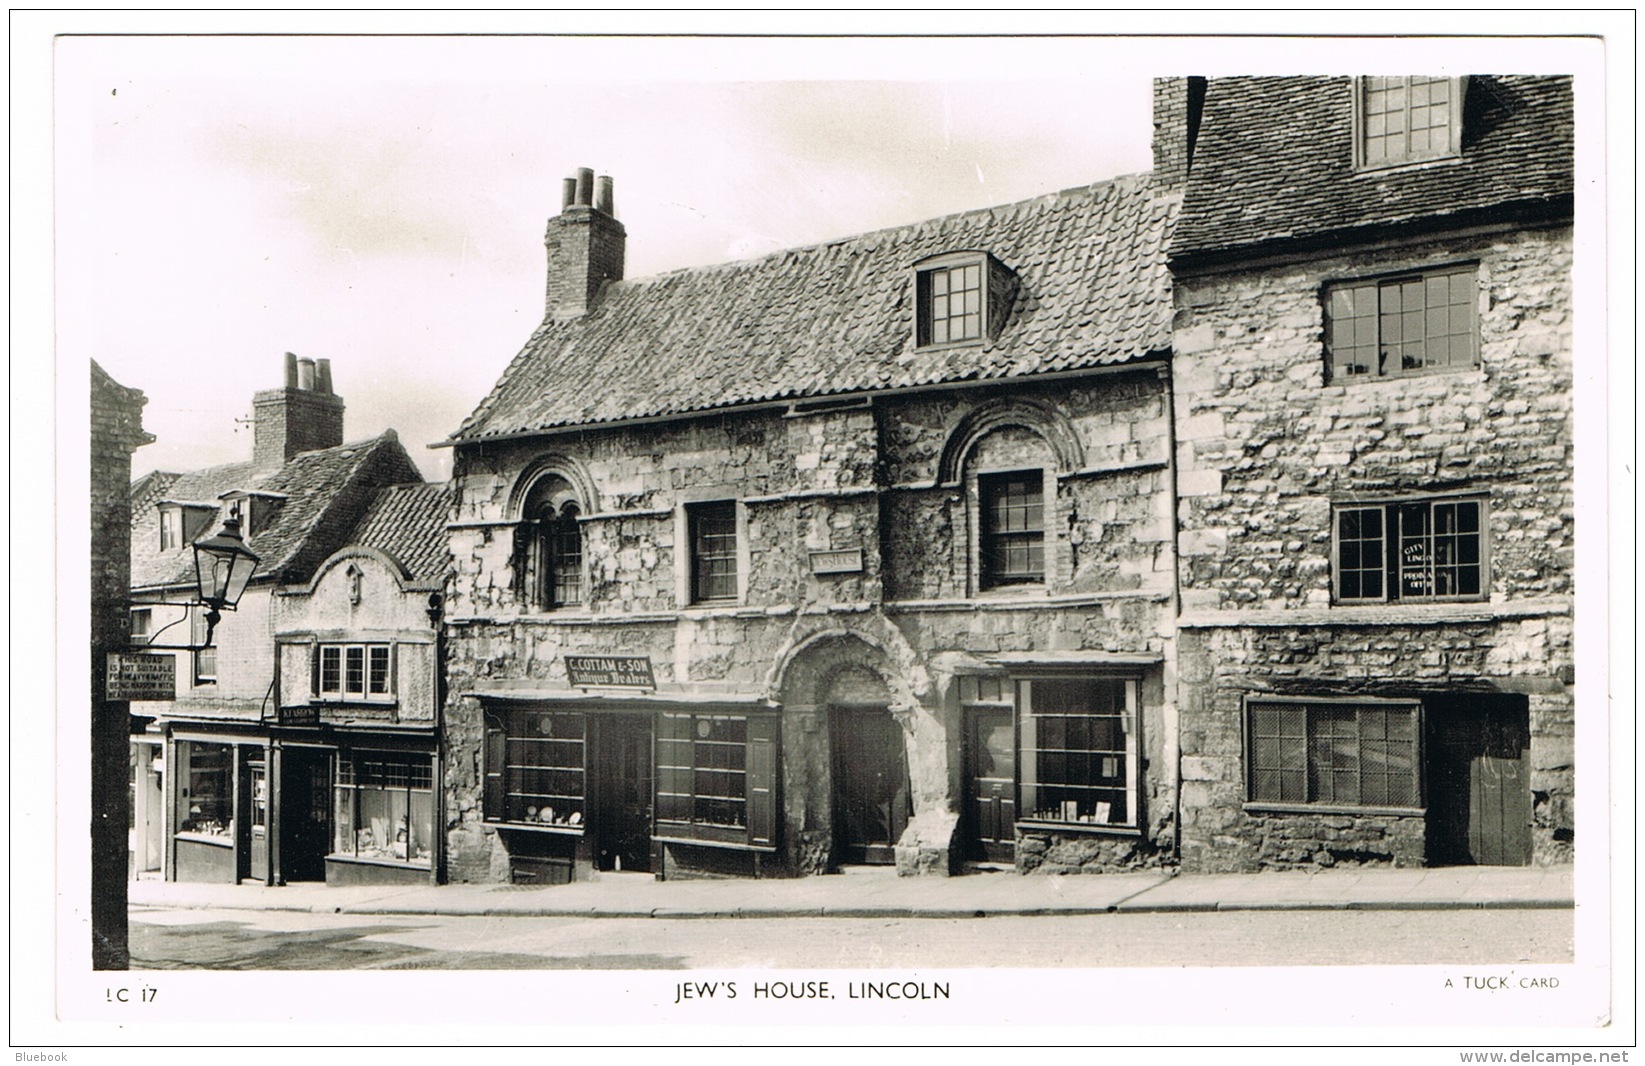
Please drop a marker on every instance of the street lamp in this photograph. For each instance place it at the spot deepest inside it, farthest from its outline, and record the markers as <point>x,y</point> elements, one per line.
<point>222,565</point>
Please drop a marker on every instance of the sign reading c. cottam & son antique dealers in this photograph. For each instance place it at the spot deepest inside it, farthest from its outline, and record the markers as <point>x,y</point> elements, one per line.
<point>141,676</point>
<point>625,671</point>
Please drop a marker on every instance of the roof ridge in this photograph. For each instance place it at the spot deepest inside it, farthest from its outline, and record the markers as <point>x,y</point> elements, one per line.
<point>934,220</point>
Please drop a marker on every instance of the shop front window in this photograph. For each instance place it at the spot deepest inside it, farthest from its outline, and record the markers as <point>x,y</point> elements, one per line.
<point>1078,750</point>
<point>534,768</point>
<point>716,777</point>
<point>385,808</point>
<point>207,801</point>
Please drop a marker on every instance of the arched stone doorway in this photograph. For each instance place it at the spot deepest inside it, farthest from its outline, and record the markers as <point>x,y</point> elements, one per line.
<point>872,798</point>
<point>847,796</point>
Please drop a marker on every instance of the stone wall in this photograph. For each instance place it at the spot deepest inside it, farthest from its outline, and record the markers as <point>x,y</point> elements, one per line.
<point>895,481</point>
<point>1266,445</point>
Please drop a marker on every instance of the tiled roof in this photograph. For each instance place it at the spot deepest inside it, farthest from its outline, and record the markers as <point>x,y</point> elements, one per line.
<point>839,318</point>
<point>1275,160</point>
<point>408,524</point>
<point>326,491</point>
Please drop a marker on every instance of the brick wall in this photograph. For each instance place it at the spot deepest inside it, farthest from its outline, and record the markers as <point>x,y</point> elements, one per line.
<point>116,431</point>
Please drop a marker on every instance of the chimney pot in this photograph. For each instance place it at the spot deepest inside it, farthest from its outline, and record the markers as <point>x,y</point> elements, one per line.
<point>604,195</point>
<point>568,193</point>
<point>291,371</point>
<point>322,376</point>
<point>305,375</point>
<point>585,187</point>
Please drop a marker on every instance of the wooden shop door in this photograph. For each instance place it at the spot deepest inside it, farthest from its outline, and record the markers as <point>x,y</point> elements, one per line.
<point>872,801</point>
<point>621,784</point>
<point>1479,793</point>
<point>991,781</point>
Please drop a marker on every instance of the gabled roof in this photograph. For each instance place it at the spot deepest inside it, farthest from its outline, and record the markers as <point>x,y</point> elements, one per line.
<point>1092,289</point>
<point>1274,161</point>
<point>327,491</point>
<point>408,524</point>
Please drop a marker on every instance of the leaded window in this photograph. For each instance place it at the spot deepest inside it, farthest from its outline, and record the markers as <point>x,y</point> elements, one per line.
<point>1353,754</point>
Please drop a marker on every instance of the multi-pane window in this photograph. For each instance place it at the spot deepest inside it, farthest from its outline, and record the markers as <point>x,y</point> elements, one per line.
<point>205,659</point>
<point>1405,119</point>
<point>717,778</point>
<point>702,770</point>
<point>1342,754</point>
<point>549,557</point>
<point>142,624</point>
<point>951,303</point>
<point>1012,528</point>
<point>1414,550</point>
<point>171,528</point>
<point>535,768</point>
<point>1391,326</point>
<point>355,672</point>
<point>713,550</point>
<point>1077,750</point>
<point>385,807</point>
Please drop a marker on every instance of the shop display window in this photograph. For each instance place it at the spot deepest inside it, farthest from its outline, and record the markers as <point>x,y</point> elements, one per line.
<point>385,807</point>
<point>207,800</point>
<point>1078,750</point>
<point>535,768</point>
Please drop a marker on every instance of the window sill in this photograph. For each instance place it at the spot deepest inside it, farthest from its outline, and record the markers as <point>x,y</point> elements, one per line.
<point>1262,807</point>
<point>1364,170</point>
<point>201,838</point>
<point>1080,827</point>
<point>529,827</point>
<point>731,845</point>
<point>398,864</point>
<point>1347,380</point>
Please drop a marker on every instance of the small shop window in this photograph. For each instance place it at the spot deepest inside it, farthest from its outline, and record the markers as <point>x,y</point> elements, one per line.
<point>1078,751</point>
<point>1333,753</point>
<point>534,773</point>
<point>207,799</point>
<point>385,807</point>
<point>355,672</point>
<point>716,777</point>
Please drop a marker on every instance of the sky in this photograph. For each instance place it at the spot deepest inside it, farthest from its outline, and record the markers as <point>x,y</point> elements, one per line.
<point>381,202</point>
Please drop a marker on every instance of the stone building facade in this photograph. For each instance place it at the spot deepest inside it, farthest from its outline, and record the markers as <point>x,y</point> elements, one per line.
<point>1372,373</point>
<point>856,553</point>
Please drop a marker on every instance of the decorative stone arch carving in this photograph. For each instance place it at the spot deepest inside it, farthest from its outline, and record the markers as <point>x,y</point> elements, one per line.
<point>563,466</point>
<point>809,668</point>
<point>1040,418</point>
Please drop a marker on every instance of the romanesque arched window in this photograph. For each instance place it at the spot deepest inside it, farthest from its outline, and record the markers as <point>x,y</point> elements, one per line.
<point>549,549</point>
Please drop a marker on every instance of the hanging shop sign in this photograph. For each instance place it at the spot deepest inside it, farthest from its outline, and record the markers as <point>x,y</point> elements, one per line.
<point>141,676</point>
<point>619,671</point>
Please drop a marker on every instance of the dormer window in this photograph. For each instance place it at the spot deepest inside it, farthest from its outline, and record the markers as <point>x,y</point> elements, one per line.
<point>960,298</point>
<point>182,523</point>
<point>1407,119</point>
<point>254,509</point>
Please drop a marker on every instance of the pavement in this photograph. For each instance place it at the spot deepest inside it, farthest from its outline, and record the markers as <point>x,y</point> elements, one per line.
<point>872,892</point>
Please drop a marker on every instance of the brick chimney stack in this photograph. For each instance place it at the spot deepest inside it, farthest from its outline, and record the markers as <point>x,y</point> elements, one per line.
<point>585,245</point>
<point>1177,106</point>
<point>303,416</point>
